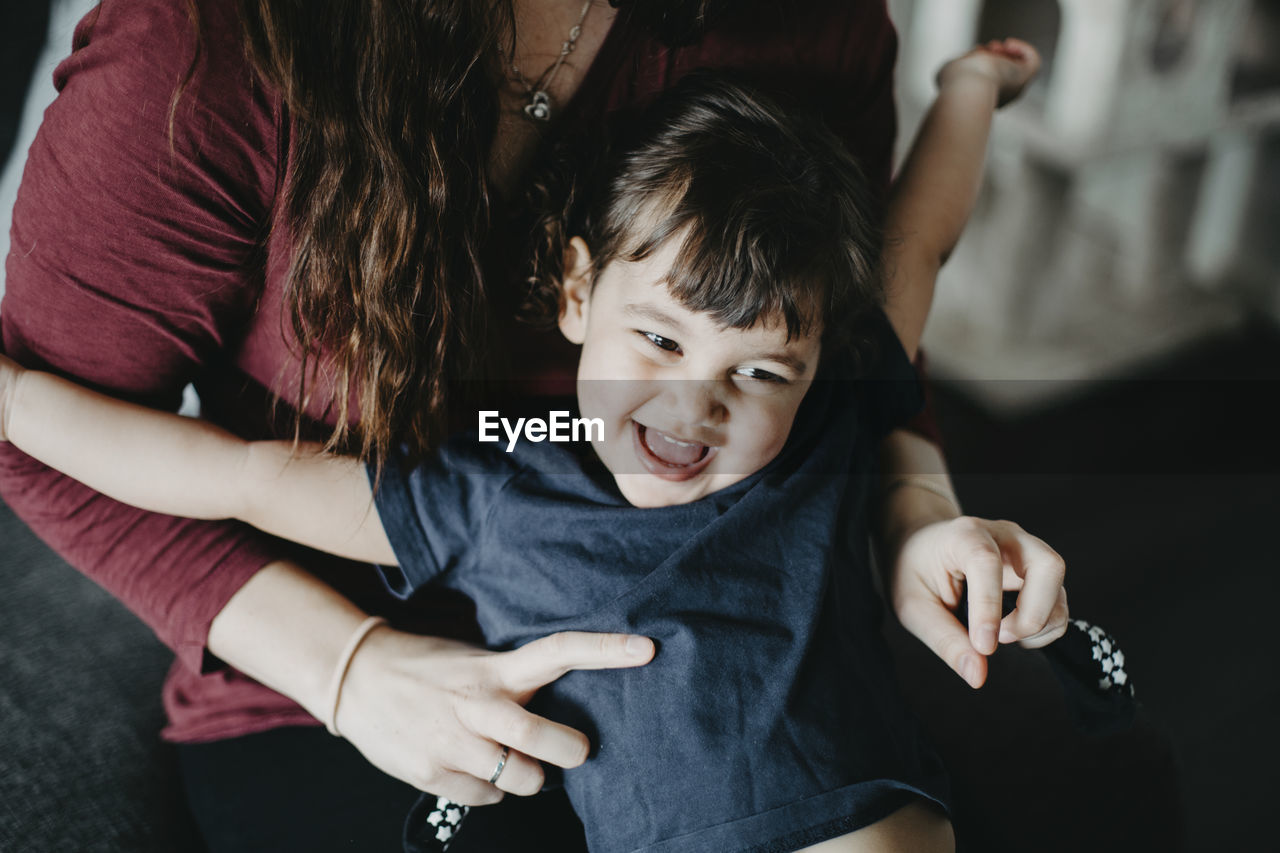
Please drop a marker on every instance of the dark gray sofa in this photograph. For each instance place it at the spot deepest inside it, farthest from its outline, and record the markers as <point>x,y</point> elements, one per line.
<point>81,765</point>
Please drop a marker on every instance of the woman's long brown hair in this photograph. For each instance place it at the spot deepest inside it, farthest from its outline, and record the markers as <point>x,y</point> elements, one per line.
<point>389,206</point>
<point>387,200</point>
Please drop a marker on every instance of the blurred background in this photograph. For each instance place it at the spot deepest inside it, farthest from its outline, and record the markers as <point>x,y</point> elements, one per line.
<point>1105,349</point>
<point>1105,354</point>
<point>1132,194</point>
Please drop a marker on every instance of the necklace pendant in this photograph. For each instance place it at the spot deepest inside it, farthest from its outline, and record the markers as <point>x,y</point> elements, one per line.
<point>539,106</point>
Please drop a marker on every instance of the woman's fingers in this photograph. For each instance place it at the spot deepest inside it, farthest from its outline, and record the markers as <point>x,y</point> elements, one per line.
<point>494,718</point>
<point>1041,600</point>
<point>436,713</point>
<point>501,721</point>
<point>509,724</point>
<point>975,556</point>
<point>541,662</point>
<point>520,775</point>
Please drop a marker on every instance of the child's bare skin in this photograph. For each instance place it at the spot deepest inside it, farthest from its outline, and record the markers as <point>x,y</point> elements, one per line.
<point>1011,64</point>
<point>939,182</point>
<point>914,828</point>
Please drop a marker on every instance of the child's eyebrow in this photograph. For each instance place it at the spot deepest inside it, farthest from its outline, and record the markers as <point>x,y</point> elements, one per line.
<point>650,312</point>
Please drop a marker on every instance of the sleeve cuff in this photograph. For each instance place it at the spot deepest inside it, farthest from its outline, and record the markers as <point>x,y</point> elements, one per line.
<point>393,498</point>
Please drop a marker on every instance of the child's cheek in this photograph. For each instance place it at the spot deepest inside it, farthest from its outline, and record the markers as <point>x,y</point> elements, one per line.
<point>771,430</point>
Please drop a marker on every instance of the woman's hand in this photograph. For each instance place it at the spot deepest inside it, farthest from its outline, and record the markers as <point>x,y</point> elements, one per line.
<point>937,561</point>
<point>431,712</point>
<point>1009,65</point>
<point>10,373</point>
<point>436,713</point>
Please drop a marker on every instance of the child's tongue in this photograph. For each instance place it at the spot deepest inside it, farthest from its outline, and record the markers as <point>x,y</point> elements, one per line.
<point>670,450</point>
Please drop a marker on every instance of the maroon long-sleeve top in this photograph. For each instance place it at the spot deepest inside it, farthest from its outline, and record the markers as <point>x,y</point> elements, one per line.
<point>135,268</point>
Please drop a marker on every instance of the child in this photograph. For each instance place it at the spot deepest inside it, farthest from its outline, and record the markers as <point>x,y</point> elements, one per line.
<point>725,266</point>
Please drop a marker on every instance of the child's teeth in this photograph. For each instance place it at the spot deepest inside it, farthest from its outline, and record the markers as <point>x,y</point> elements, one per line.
<point>666,437</point>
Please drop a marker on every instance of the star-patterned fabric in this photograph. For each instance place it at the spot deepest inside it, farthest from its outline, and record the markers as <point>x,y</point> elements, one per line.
<point>442,823</point>
<point>1109,657</point>
<point>1091,668</point>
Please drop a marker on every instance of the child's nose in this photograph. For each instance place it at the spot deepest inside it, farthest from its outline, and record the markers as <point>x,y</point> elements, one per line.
<point>697,403</point>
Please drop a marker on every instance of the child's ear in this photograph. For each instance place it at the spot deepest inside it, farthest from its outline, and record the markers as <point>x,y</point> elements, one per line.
<point>576,291</point>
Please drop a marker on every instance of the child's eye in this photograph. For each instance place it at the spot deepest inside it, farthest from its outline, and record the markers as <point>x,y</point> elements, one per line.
<point>661,343</point>
<point>763,375</point>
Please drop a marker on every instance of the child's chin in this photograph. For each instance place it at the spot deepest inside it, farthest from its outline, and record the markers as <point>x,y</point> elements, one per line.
<point>649,492</point>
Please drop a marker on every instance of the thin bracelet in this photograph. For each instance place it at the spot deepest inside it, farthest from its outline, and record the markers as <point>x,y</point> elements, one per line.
<point>340,670</point>
<point>920,481</point>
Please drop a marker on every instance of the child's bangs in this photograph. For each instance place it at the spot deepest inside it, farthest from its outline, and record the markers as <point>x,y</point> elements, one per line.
<point>745,268</point>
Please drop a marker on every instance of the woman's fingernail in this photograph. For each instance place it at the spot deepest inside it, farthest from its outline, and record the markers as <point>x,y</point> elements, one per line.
<point>969,670</point>
<point>1006,636</point>
<point>986,638</point>
<point>638,647</point>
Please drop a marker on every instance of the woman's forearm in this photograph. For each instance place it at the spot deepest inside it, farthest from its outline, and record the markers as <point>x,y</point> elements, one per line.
<point>286,629</point>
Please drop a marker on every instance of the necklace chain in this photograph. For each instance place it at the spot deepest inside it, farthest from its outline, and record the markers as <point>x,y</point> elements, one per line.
<point>539,105</point>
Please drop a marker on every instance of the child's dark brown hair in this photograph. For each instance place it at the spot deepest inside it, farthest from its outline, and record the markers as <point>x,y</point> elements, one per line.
<point>774,216</point>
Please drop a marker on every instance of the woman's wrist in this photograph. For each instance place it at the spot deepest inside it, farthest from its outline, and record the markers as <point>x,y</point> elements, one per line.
<point>287,629</point>
<point>333,697</point>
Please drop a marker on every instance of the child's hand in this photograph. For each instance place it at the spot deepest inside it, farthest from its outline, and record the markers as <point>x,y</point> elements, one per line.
<point>9,373</point>
<point>940,562</point>
<point>1009,64</point>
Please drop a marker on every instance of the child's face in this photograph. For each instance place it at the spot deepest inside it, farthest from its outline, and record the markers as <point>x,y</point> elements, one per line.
<point>688,407</point>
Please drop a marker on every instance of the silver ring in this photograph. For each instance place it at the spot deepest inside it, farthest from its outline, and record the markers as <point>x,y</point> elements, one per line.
<point>502,763</point>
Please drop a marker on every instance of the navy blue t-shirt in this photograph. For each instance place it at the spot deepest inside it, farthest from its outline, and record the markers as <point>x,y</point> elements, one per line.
<point>769,718</point>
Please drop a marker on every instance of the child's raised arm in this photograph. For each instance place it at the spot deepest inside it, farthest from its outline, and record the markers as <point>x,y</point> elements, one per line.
<point>162,462</point>
<point>934,192</point>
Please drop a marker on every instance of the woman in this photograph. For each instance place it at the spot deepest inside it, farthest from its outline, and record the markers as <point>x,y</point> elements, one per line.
<point>297,200</point>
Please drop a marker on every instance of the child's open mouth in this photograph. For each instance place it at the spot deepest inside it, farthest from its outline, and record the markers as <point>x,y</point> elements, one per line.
<point>669,457</point>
